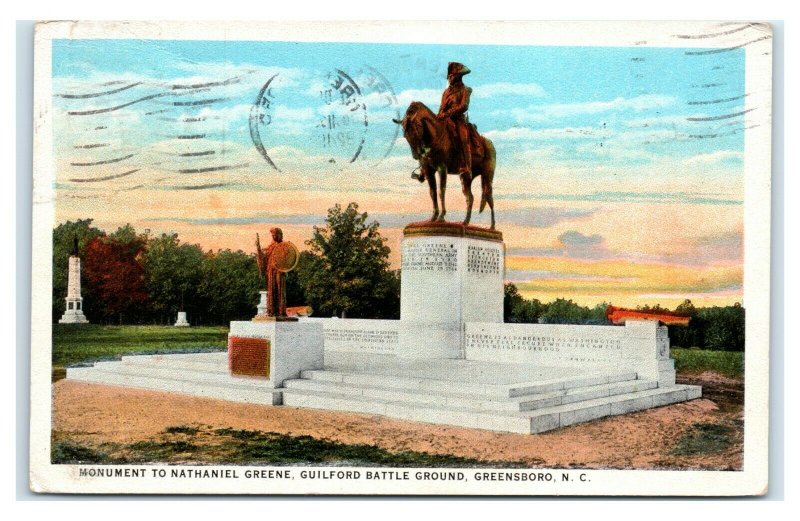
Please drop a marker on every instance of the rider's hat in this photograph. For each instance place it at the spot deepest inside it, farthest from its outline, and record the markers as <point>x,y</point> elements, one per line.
<point>457,68</point>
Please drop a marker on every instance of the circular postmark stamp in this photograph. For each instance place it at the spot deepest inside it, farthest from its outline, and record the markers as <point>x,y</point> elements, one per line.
<point>337,118</point>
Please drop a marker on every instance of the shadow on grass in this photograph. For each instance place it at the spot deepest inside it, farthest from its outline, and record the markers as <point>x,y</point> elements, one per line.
<point>192,445</point>
<point>705,438</point>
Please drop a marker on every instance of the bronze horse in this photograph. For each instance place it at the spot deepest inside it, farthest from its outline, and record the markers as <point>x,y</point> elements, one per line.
<point>433,146</point>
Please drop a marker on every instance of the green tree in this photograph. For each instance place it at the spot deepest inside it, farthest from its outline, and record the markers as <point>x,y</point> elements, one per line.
<point>173,274</point>
<point>295,293</point>
<point>528,311</point>
<point>63,235</point>
<point>348,268</point>
<point>597,315</point>
<point>563,311</point>
<point>229,286</point>
<point>723,327</point>
<point>686,307</point>
<point>691,335</point>
<point>511,299</point>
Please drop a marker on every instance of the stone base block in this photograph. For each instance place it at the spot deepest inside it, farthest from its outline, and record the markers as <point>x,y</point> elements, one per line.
<point>430,340</point>
<point>293,346</point>
<point>74,317</point>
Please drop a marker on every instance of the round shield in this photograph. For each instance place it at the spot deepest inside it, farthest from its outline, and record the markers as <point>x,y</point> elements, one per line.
<point>284,257</point>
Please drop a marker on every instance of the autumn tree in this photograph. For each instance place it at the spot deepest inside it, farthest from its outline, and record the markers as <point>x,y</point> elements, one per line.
<point>115,274</point>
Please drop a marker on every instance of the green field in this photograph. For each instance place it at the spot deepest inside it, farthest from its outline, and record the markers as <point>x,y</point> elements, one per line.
<point>694,361</point>
<point>73,344</point>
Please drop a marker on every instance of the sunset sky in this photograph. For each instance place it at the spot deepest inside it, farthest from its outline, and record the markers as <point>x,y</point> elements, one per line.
<point>619,170</point>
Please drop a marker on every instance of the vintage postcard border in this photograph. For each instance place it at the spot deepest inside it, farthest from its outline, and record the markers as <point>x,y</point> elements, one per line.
<point>753,478</point>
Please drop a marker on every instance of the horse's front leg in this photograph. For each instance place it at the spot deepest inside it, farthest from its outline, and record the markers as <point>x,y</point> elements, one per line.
<point>431,177</point>
<point>442,189</point>
<point>466,188</point>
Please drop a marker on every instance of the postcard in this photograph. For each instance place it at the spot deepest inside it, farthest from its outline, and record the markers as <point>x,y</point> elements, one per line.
<point>252,277</point>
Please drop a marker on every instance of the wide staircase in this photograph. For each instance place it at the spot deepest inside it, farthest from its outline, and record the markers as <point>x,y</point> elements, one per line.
<point>496,396</point>
<point>510,398</point>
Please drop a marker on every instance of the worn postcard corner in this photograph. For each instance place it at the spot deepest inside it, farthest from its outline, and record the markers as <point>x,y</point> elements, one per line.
<point>251,276</point>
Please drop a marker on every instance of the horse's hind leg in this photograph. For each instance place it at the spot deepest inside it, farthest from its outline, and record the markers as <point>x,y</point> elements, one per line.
<point>490,199</point>
<point>431,177</point>
<point>442,189</point>
<point>466,188</point>
<point>486,196</point>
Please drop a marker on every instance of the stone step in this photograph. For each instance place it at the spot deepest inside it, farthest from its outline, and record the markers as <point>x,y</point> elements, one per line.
<point>522,403</point>
<point>531,422</point>
<point>563,415</point>
<point>428,413</point>
<point>498,391</point>
<point>237,389</point>
<point>176,372</point>
<point>209,362</point>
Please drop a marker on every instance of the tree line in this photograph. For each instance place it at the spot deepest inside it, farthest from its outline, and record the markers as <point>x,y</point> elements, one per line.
<point>136,278</point>
<point>719,328</point>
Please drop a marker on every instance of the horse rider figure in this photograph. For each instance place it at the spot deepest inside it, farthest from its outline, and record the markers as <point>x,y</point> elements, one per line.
<point>453,109</point>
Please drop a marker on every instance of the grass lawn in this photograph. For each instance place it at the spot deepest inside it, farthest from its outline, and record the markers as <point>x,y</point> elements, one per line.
<point>188,444</point>
<point>728,363</point>
<point>73,344</point>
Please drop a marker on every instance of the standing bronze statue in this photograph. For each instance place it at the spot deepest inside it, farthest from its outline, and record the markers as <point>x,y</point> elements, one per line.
<point>448,144</point>
<point>274,263</point>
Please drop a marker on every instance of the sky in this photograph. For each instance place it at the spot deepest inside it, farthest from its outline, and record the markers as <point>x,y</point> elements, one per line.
<point>619,174</point>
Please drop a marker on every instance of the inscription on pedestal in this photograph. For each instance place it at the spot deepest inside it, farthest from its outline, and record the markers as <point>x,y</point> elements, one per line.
<point>430,257</point>
<point>368,340</point>
<point>483,260</point>
<point>538,343</point>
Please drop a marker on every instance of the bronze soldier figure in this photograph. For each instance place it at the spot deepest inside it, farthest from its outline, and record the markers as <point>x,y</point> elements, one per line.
<point>276,279</point>
<point>453,109</point>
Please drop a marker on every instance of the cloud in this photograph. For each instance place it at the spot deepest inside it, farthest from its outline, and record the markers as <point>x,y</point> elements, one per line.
<point>528,134</point>
<point>727,246</point>
<point>504,88</point>
<point>628,197</point>
<point>543,217</point>
<point>430,97</point>
<point>716,157</point>
<point>386,220</point>
<point>579,246</point>
<point>538,113</point>
<point>661,121</point>
<point>575,239</point>
<point>571,244</point>
<point>522,275</point>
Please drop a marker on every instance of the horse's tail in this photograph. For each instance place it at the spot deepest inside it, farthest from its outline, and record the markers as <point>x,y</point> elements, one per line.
<point>487,178</point>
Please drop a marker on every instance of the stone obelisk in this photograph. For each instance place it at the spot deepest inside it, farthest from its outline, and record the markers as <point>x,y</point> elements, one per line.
<point>74,312</point>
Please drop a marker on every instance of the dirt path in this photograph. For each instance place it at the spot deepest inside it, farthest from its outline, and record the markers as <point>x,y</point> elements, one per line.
<point>93,415</point>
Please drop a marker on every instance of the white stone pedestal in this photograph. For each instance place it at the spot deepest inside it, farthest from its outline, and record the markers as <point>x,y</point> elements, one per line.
<point>294,346</point>
<point>447,280</point>
<point>262,304</point>
<point>182,322</point>
<point>74,312</point>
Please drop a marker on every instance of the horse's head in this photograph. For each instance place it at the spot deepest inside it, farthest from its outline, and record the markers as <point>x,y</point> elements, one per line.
<point>418,129</point>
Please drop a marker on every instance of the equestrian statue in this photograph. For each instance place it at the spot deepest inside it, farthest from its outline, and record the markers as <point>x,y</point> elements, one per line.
<point>448,143</point>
